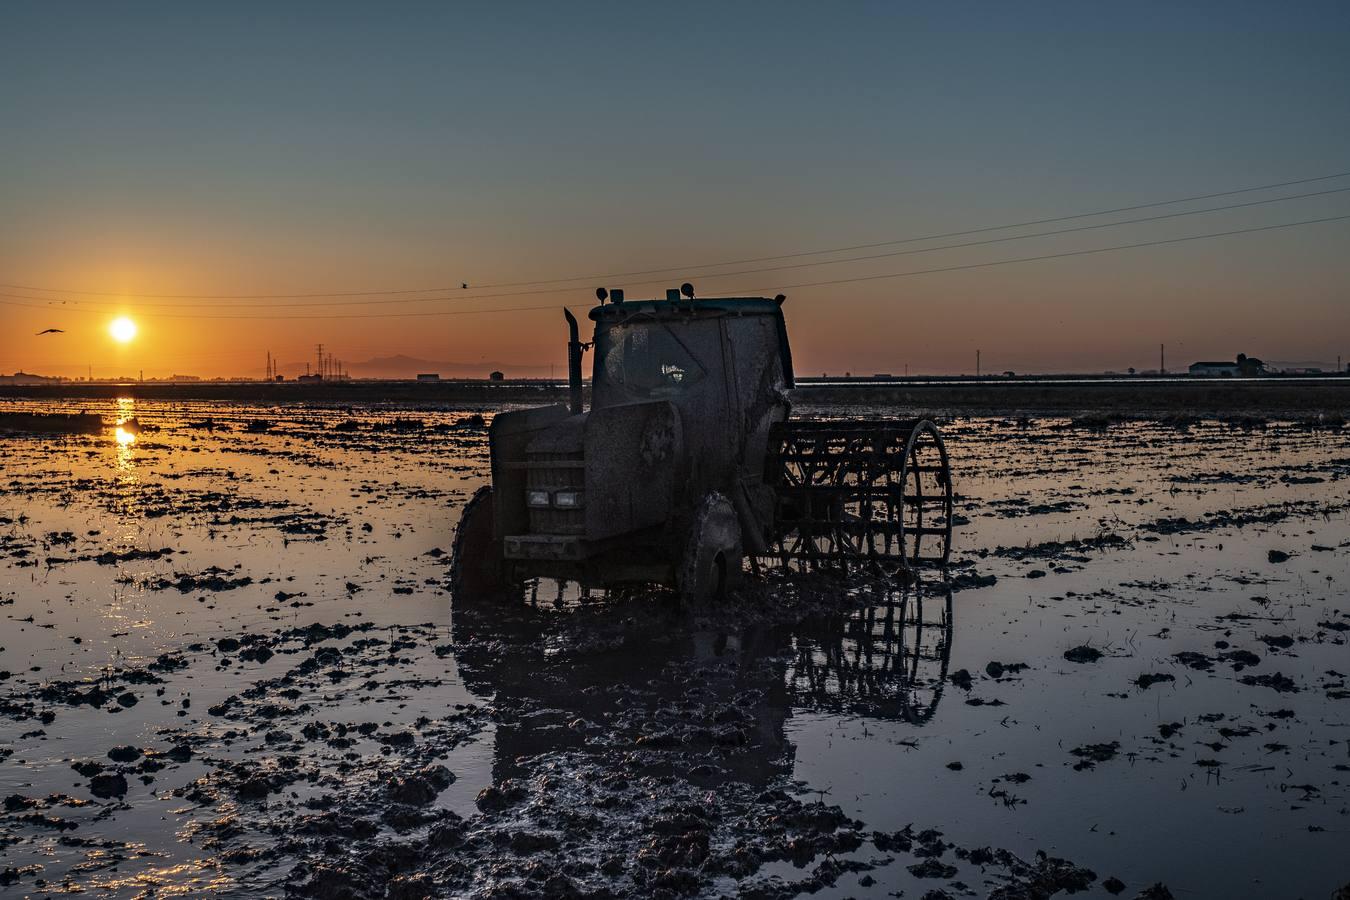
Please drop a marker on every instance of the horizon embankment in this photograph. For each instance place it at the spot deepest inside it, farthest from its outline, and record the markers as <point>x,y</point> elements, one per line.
<point>1268,396</point>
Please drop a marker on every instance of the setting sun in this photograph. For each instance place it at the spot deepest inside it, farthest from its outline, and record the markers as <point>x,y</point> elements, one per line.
<point>122,329</point>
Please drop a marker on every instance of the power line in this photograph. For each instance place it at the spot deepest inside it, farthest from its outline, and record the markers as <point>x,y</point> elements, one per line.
<point>690,268</point>
<point>778,287</point>
<point>1024,259</point>
<point>1036,234</point>
<point>934,237</point>
<point>455,298</point>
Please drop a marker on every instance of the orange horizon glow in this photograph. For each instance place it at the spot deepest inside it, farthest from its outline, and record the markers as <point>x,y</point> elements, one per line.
<point>1065,316</point>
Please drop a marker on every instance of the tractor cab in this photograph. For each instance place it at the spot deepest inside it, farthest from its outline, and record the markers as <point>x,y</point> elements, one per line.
<point>722,366</point>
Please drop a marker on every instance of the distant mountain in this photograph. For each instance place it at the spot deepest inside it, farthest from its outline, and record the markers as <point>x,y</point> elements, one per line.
<point>410,367</point>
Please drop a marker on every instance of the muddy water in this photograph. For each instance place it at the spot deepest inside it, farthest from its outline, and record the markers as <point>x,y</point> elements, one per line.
<point>231,664</point>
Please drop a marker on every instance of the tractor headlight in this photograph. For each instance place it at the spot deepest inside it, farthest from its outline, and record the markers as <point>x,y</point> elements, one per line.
<point>537,499</point>
<point>569,499</point>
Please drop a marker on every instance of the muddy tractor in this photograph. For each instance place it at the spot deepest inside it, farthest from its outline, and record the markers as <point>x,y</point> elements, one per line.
<point>688,464</point>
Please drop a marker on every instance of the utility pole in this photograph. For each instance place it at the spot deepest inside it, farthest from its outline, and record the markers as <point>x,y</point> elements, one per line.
<point>977,364</point>
<point>1162,359</point>
<point>320,361</point>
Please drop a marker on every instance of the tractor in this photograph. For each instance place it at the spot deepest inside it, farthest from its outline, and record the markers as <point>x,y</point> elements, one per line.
<point>688,464</point>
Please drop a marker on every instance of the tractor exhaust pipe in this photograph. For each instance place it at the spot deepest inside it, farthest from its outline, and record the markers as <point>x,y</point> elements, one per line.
<point>574,351</point>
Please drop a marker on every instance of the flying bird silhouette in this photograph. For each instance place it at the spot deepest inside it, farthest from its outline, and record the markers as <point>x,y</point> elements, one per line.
<point>51,331</point>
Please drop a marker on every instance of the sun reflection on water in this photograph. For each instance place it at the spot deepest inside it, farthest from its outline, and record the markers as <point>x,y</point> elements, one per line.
<point>125,434</point>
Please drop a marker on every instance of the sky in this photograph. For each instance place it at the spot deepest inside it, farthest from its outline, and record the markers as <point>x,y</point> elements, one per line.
<point>249,150</point>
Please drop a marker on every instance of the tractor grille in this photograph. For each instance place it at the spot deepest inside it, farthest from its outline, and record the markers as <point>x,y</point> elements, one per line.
<point>552,472</point>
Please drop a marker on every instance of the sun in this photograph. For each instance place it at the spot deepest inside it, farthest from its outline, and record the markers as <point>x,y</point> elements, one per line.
<point>122,329</point>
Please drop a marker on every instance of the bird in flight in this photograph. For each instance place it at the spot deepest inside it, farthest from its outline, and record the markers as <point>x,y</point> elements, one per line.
<point>51,331</point>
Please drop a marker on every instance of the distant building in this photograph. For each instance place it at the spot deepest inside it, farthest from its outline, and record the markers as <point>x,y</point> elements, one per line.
<point>496,376</point>
<point>1214,369</point>
<point>309,378</point>
<point>1243,367</point>
<point>429,376</point>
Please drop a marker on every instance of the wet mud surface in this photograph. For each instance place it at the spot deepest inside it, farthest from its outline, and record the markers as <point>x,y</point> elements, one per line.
<point>231,665</point>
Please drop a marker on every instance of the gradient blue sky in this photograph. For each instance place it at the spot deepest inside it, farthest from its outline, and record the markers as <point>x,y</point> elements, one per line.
<point>274,148</point>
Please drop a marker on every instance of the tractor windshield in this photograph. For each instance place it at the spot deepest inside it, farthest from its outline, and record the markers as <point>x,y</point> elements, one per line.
<point>647,360</point>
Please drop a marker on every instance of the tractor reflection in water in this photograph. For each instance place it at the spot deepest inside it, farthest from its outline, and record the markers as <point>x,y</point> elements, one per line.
<point>687,463</point>
<point>648,692</point>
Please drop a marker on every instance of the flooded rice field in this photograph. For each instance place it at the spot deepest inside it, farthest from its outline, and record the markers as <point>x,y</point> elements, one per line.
<point>230,664</point>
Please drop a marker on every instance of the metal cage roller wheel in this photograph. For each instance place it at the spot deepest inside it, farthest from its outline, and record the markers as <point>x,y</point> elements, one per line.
<point>477,569</point>
<point>926,483</point>
<point>860,492</point>
<point>713,554</point>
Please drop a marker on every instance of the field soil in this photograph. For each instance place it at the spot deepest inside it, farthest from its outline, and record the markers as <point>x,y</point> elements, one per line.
<point>231,664</point>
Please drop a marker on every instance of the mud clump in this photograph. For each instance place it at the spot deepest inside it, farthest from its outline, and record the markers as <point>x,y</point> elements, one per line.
<point>1278,682</point>
<point>1048,876</point>
<point>108,785</point>
<point>1148,679</point>
<point>214,580</point>
<point>420,788</point>
<point>255,788</point>
<point>996,670</point>
<point>1091,754</point>
<point>1157,891</point>
<point>1083,654</point>
<point>932,868</point>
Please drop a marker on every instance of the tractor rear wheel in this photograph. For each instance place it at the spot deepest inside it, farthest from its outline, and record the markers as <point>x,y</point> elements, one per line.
<point>713,554</point>
<point>477,568</point>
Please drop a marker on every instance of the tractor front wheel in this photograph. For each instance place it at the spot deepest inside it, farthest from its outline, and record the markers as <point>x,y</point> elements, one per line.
<point>713,555</point>
<point>477,569</point>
